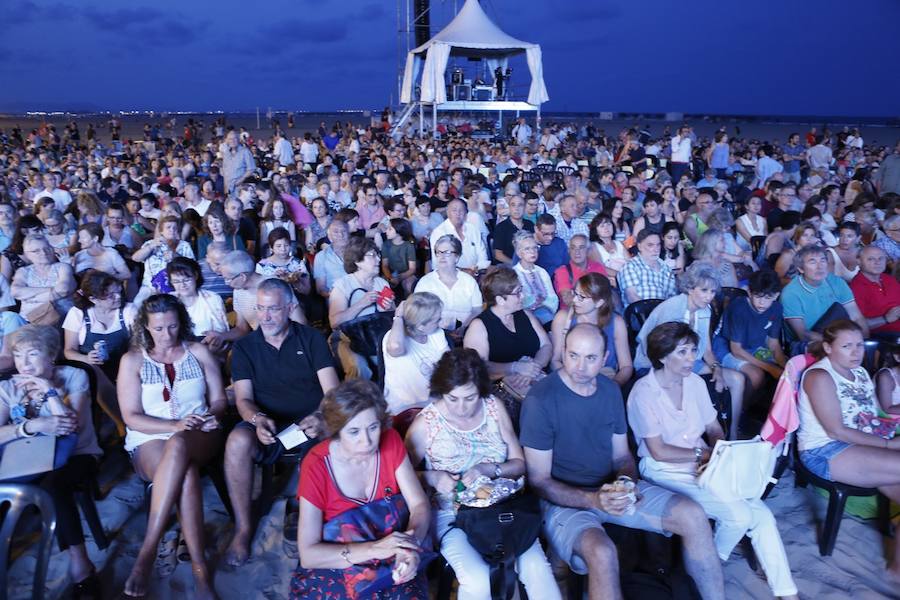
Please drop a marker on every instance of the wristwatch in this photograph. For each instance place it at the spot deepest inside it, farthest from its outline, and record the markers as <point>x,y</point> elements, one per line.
<point>253,418</point>
<point>698,454</point>
<point>345,554</point>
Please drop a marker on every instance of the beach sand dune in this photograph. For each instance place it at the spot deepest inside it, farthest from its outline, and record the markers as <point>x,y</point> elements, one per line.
<point>854,571</point>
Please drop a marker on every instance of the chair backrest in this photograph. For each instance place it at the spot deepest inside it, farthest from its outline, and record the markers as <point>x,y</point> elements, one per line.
<point>756,244</point>
<point>566,170</point>
<point>775,429</point>
<point>635,315</point>
<point>14,500</point>
<point>435,174</point>
<point>721,302</point>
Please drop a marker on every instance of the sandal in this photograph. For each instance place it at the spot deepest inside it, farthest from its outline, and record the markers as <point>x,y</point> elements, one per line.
<point>166,556</point>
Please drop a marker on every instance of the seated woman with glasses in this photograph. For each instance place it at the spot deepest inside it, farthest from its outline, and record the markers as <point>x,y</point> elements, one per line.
<point>97,332</point>
<point>458,291</point>
<point>359,293</point>
<point>538,295</point>
<point>509,338</point>
<point>206,308</point>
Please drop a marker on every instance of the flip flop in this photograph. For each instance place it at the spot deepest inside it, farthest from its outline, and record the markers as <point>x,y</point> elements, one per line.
<point>166,559</point>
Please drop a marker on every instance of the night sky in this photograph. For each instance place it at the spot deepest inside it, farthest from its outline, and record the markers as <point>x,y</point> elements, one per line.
<point>777,57</point>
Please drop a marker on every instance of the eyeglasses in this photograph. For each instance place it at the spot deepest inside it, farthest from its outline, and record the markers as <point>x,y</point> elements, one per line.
<point>445,252</point>
<point>579,296</point>
<point>228,280</point>
<point>180,281</point>
<point>515,292</point>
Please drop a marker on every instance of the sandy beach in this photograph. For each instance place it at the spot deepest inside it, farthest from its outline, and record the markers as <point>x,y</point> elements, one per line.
<point>855,570</point>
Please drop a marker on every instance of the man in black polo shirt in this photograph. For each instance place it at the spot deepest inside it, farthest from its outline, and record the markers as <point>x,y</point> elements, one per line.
<point>280,372</point>
<point>506,230</point>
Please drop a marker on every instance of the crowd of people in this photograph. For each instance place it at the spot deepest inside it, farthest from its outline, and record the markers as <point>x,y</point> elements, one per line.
<point>565,306</point>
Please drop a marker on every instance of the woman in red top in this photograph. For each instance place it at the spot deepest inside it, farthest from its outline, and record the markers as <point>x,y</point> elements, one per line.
<point>362,463</point>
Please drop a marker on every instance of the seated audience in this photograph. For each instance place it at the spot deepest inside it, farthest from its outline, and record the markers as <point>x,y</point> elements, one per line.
<point>329,264</point>
<point>669,411</point>
<point>93,255</point>
<point>282,263</point>
<point>538,295</point>
<point>845,256</point>
<point>841,437</point>
<point>646,276</point>
<point>458,291</point>
<point>506,229</point>
<point>398,265</point>
<point>592,302</point>
<point>887,382</point>
<point>97,332</point>
<point>43,287</point>
<point>579,264</point>
<point>812,295</point>
<point>205,308</point>
<point>411,348</point>
<point>218,227</point>
<point>43,399</point>
<point>605,248</point>
<point>357,295</point>
<point>699,286</point>
<point>805,234</point>
<point>269,368</point>
<point>361,462</point>
<point>474,255</point>
<point>876,293</point>
<point>463,434</point>
<point>552,250</point>
<point>156,254</point>
<point>575,440</point>
<point>172,399</point>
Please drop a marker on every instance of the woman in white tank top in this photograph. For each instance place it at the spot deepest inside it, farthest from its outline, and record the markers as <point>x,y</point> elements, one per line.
<point>172,398</point>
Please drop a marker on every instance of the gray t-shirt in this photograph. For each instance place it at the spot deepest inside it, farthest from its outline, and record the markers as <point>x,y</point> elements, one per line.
<point>578,429</point>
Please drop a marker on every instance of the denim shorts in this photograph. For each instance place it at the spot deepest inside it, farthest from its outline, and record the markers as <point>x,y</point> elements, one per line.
<point>730,361</point>
<point>816,459</point>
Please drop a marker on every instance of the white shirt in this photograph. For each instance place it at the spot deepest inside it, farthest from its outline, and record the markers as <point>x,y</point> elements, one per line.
<point>819,157</point>
<point>474,252</point>
<point>62,198</point>
<point>459,300</point>
<point>284,152</point>
<point>522,133</point>
<point>549,141</point>
<point>681,149</point>
<point>309,152</point>
<point>407,378</point>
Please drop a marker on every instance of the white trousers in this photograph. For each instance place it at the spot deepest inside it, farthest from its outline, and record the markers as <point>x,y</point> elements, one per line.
<point>473,574</point>
<point>734,519</point>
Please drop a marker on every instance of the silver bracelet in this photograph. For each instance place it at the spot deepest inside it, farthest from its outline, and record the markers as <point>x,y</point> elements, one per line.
<point>20,431</point>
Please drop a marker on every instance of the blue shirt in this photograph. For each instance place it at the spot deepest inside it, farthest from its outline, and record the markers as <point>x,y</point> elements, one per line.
<point>803,301</point>
<point>553,255</point>
<point>793,165</point>
<point>749,328</point>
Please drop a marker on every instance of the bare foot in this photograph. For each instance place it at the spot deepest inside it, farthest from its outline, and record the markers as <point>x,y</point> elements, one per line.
<point>136,584</point>
<point>238,551</point>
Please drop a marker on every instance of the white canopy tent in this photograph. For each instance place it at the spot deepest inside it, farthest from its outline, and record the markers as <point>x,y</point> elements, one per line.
<point>471,34</point>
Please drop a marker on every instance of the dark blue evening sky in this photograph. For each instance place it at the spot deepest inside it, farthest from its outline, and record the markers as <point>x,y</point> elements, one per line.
<point>786,57</point>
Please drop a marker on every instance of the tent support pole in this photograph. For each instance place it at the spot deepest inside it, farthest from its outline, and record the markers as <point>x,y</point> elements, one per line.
<point>434,121</point>
<point>501,121</point>
<point>538,127</point>
<point>421,120</point>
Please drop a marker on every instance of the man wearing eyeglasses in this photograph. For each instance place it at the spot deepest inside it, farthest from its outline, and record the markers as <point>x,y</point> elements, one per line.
<point>239,271</point>
<point>280,371</point>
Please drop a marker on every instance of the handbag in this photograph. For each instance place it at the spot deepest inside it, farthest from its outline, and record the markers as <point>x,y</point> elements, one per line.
<point>369,522</point>
<point>739,469</point>
<point>44,313</point>
<point>834,313</point>
<point>365,332</point>
<point>501,533</point>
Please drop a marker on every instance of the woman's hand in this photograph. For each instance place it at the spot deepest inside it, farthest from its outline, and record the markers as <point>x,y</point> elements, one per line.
<point>210,423</point>
<point>190,423</point>
<point>406,565</point>
<point>387,547</point>
<point>479,470</point>
<point>526,367</point>
<point>93,358</point>
<point>444,482</point>
<point>55,425</point>
<point>367,299</point>
<point>32,384</point>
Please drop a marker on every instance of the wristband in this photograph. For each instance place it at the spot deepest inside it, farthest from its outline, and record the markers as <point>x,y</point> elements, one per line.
<point>253,418</point>
<point>24,433</point>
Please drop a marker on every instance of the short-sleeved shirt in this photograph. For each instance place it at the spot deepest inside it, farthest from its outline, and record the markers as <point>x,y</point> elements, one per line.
<point>458,301</point>
<point>651,413</point>
<point>749,328</point>
<point>285,380</point>
<point>553,255</point>
<point>318,487</point>
<point>646,282</point>
<point>328,266</point>
<point>802,301</point>
<point>399,256</point>
<point>876,299</point>
<point>504,233</point>
<point>578,429</point>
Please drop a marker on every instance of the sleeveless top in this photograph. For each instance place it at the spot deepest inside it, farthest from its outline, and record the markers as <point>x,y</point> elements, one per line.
<point>840,269</point>
<point>456,450</point>
<point>657,227</point>
<point>856,397</point>
<point>116,343</point>
<point>506,346</point>
<point>169,391</point>
<point>613,260</point>
<point>751,229</point>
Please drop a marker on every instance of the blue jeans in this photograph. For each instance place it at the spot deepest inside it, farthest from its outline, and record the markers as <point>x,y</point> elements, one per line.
<point>818,459</point>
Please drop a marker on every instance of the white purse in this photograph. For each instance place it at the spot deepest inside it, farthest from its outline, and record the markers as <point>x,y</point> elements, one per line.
<point>739,469</point>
